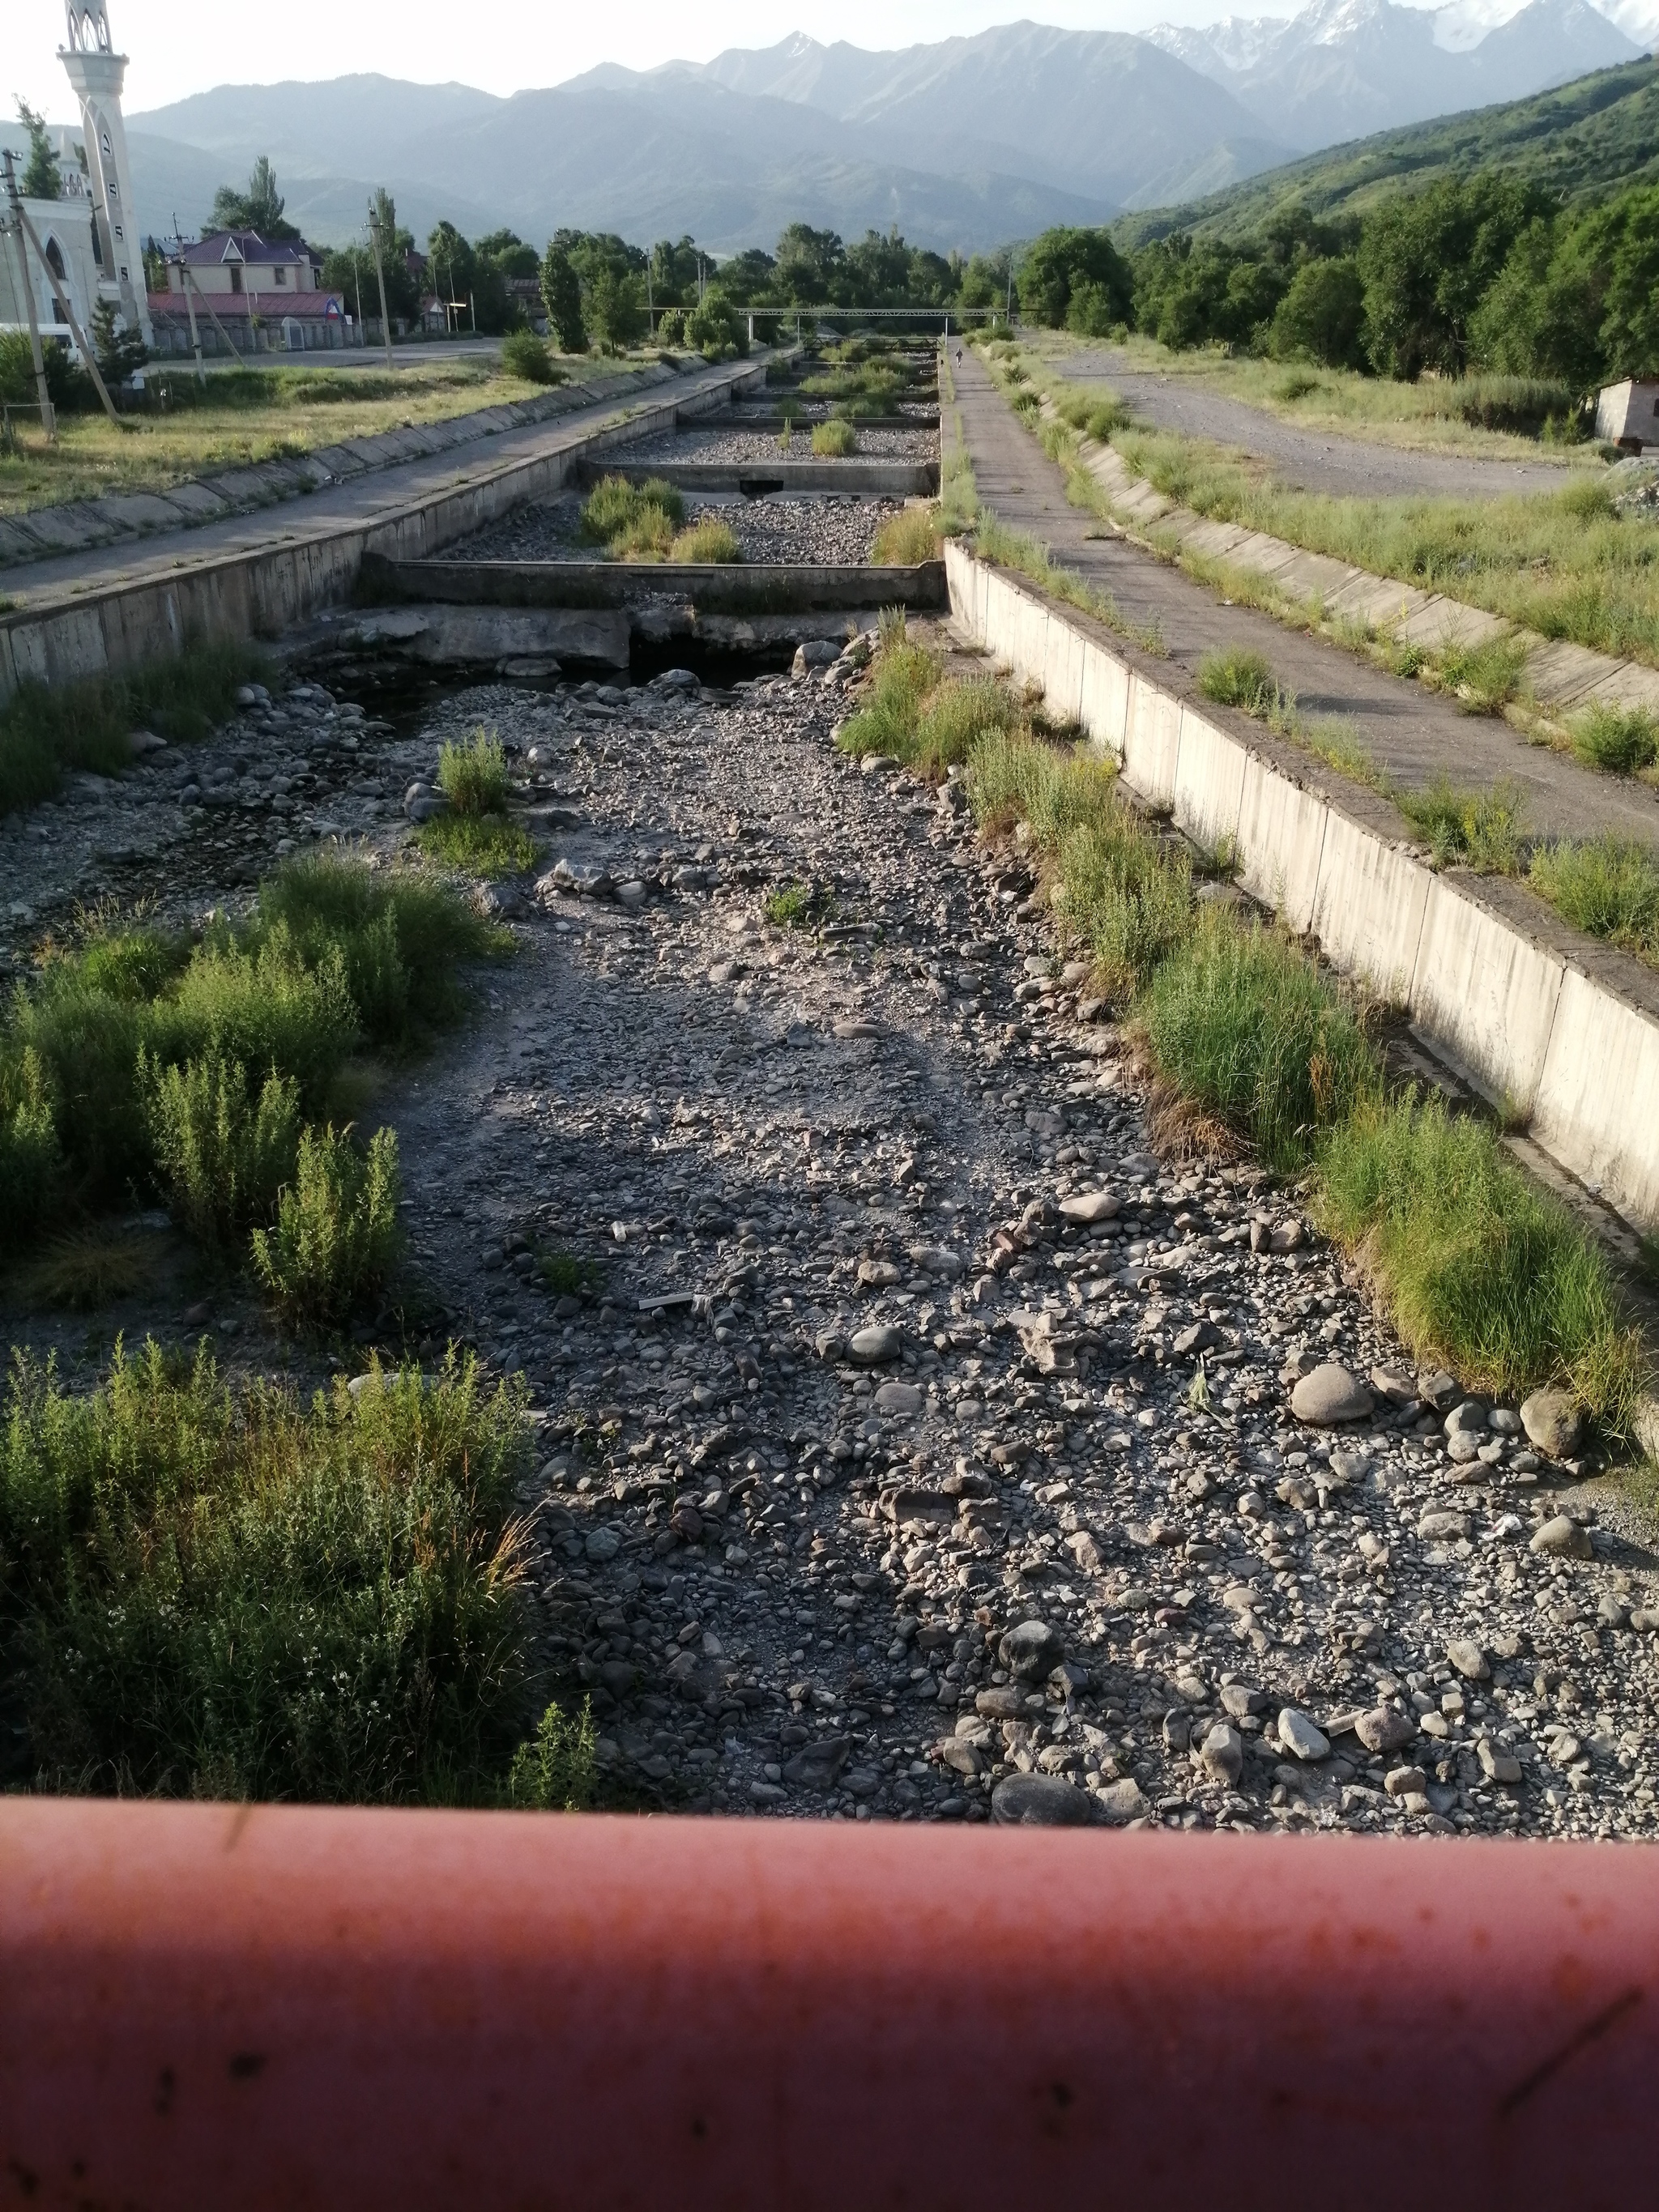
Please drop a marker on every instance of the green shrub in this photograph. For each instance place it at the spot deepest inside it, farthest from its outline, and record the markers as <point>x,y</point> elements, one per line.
<point>1235,677</point>
<point>472,777</point>
<point>557,1771</point>
<point>218,1593</point>
<point>1483,678</point>
<point>1245,1025</point>
<point>1482,1270</point>
<point>258,1000</point>
<point>891,714</point>
<point>1607,885</point>
<point>336,1238</point>
<point>1523,403</point>
<point>31,1160</point>
<point>833,440</point>
<point>1482,829</point>
<point>617,513</point>
<point>709,541</point>
<point>524,355</point>
<point>1621,739</point>
<point>222,1154</point>
<point>907,538</point>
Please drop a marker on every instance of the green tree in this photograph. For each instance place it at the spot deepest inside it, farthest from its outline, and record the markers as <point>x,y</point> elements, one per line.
<point>614,308</point>
<point>259,208</point>
<point>1426,260</point>
<point>119,351</point>
<point>40,179</point>
<point>1062,258</point>
<point>1622,239</point>
<point>1321,315</point>
<point>809,265</point>
<point>562,295</point>
<point>985,282</point>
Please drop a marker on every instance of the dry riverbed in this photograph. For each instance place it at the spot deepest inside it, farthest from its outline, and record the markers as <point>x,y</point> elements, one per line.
<point>828,529</point>
<point>913,1438</point>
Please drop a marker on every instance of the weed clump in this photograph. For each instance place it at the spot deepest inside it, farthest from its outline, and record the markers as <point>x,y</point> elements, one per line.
<point>1479,829</point>
<point>709,541</point>
<point>1235,677</point>
<point>1621,740</point>
<point>907,538</point>
<point>1607,885</point>
<point>632,521</point>
<point>336,1238</point>
<point>1480,1268</point>
<point>557,1771</point>
<point>473,777</point>
<point>835,440</point>
<point>212,1593</point>
<point>1250,1030</point>
<point>223,1153</point>
<point>525,355</point>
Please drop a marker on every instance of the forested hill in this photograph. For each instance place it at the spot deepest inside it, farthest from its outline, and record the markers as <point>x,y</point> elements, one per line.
<point>1586,139</point>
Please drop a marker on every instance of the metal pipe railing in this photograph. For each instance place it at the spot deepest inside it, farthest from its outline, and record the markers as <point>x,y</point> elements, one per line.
<point>253,2007</point>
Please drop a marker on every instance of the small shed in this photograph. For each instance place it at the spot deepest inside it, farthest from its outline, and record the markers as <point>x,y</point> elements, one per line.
<point>1627,414</point>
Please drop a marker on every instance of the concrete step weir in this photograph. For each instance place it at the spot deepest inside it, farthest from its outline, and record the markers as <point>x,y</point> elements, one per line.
<point>513,615</point>
<point>856,477</point>
<point>802,423</point>
<point>1559,1030</point>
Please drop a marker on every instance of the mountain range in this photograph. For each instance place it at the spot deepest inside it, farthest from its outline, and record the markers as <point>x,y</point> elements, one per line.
<point>969,143</point>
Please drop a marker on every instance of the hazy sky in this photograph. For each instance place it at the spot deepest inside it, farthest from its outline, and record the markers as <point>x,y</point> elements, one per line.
<point>178,47</point>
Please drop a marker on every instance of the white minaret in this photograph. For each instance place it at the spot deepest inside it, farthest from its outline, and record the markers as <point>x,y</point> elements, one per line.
<point>97,72</point>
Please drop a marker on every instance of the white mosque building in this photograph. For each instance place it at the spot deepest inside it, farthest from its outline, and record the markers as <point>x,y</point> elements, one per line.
<point>90,235</point>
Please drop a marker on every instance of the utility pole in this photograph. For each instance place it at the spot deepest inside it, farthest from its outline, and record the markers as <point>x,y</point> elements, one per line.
<point>190,301</point>
<point>380,273</point>
<point>48,418</point>
<point>68,313</point>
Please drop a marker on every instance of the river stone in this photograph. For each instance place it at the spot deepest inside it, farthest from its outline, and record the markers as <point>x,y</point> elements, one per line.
<point>1563,1538</point>
<point>816,1766</point>
<point>1088,1207</point>
<point>1121,1802</point>
<point>1468,1659</point>
<point>1297,1734</point>
<point>1441,1525</point>
<point>1553,1423</point>
<point>603,1544</point>
<point>1330,1394</point>
<point>875,1345</point>
<point>1382,1729</point>
<point>1222,1753</point>
<point>1032,1651</point>
<point>900,1398</point>
<point>1039,1800</point>
<point>1468,1419</point>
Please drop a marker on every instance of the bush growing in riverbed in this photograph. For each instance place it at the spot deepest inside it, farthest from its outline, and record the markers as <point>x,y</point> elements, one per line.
<point>210,1592</point>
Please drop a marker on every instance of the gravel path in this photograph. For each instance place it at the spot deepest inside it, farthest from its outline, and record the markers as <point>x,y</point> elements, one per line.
<point>819,529</point>
<point>876,1480</point>
<point>1311,460</point>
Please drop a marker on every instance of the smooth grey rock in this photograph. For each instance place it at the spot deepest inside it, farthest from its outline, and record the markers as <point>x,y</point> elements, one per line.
<point>1469,1419</point>
<point>1405,1782</point>
<point>816,1766</point>
<point>875,1345</point>
<point>603,1544</point>
<point>1241,1701</point>
<point>1499,1765</point>
<point>1330,1395</point>
<point>1468,1659</point>
<point>1441,1524</point>
<point>1554,1424</point>
<point>1297,1734</point>
<point>1088,1207</point>
<point>1039,1800</point>
<point>1562,1538</point>
<point>900,1399</point>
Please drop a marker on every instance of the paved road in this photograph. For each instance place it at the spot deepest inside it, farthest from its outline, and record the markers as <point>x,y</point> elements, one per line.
<point>342,504</point>
<point>1414,734</point>
<point>1309,460</point>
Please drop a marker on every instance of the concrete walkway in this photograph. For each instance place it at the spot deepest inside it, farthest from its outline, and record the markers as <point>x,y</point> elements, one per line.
<point>31,584</point>
<point>1308,459</point>
<point>1412,734</point>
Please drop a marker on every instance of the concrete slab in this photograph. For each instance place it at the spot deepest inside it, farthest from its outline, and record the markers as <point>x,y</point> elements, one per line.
<point>1484,995</point>
<point>71,528</point>
<point>196,502</point>
<point>1628,686</point>
<point>1217,539</point>
<point>1152,747</point>
<point>1315,576</point>
<point>1281,841</point>
<point>1104,708</point>
<point>1441,621</point>
<point>1209,781</point>
<point>134,511</point>
<point>1369,906</point>
<point>1378,601</point>
<point>1594,1109</point>
<point>1560,674</point>
<point>465,636</point>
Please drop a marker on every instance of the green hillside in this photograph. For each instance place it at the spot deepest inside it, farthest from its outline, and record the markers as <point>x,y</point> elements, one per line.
<point>1583,140</point>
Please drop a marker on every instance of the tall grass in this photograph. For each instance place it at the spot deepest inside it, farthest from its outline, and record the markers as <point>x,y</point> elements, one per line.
<point>835,441</point>
<point>1474,1259</point>
<point>630,521</point>
<point>473,777</point>
<point>1621,740</point>
<point>1481,829</point>
<point>46,731</point>
<point>908,538</point>
<point>221,1593</point>
<point>1607,885</point>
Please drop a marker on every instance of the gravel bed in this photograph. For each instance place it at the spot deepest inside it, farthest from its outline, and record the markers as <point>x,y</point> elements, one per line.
<point>735,444</point>
<point>820,529</point>
<point>924,1445</point>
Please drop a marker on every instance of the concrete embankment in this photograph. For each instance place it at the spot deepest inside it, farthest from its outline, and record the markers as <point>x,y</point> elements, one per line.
<point>96,628</point>
<point>1559,1032</point>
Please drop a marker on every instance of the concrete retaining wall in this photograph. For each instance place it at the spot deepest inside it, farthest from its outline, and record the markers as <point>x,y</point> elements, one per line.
<point>1556,1029</point>
<point>261,594</point>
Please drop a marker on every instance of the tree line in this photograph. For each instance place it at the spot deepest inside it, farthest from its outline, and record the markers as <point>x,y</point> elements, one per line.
<point>1487,272</point>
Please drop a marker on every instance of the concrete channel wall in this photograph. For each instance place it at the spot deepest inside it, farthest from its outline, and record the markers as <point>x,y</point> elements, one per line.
<point>265,591</point>
<point>1544,1024</point>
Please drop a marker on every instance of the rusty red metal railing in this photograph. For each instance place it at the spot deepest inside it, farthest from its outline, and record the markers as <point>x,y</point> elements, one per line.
<point>207,2006</point>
